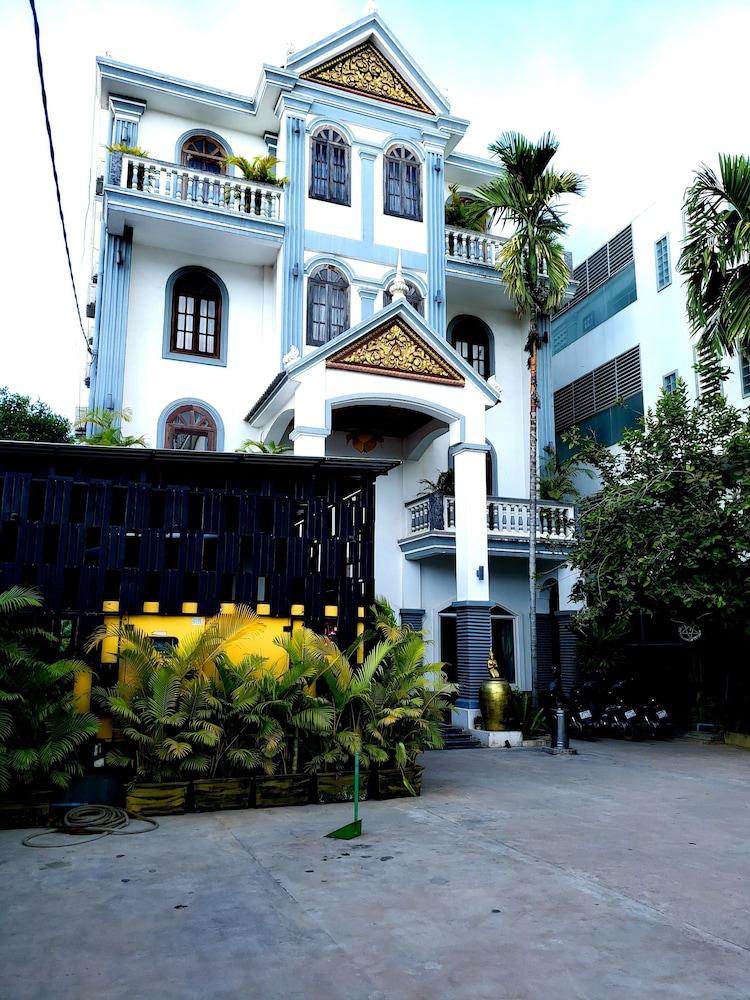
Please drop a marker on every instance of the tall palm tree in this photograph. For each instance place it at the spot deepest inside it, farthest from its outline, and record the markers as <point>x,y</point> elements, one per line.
<point>715,257</point>
<point>526,197</point>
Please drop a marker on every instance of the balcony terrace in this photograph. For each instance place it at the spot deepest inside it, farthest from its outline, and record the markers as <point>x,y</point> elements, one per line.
<point>157,199</point>
<point>430,527</point>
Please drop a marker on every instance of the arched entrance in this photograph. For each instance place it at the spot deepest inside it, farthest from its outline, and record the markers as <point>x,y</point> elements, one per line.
<point>504,644</point>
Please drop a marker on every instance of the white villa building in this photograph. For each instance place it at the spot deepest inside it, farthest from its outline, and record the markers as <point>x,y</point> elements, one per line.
<point>335,313</point>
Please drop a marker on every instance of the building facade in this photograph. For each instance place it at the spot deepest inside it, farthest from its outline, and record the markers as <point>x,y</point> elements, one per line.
<point>333,311</point>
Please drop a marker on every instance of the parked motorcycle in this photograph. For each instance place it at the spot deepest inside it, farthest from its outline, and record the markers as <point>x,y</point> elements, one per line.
<point>619,717</point>
<point>583,713</point>
<point>655,720</point>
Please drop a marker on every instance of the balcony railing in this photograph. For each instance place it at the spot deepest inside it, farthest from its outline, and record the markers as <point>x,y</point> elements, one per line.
<point>472,247</point>
<point>170,181</point>
<point>506,518</point>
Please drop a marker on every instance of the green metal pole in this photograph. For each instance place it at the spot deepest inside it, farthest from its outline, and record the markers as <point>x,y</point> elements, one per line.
<point>356,787</point>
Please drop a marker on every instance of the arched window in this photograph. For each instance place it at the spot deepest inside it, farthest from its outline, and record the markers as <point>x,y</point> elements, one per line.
<point>402,176</point>
<point>196,315</point>
<point>203,153</point>
<point>190,428</point>
<point>329,167</point>
<point>327,305</point>
<point>413,296</point>
<point>471,338</point>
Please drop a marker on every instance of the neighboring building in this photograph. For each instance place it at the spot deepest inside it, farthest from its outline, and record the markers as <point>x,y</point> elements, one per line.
<point>335,313</point>
<point>624,335</point>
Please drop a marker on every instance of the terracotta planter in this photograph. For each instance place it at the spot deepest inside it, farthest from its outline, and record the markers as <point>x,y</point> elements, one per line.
<point>338,786</point>
<point>165,799</point>
<point>390,783</point>
<point>210,794</point>
<point>282,790</point>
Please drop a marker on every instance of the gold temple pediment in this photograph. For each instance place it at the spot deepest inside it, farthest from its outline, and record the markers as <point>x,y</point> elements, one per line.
<point>365,70</point>
<point>395,349</point>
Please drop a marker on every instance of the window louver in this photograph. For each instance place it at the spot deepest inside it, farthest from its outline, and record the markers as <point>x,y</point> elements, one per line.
<point>598,390</point>
<point>601,265</point>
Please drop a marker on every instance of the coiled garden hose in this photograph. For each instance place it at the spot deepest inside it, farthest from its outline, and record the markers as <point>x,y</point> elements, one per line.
<point>102,821</point>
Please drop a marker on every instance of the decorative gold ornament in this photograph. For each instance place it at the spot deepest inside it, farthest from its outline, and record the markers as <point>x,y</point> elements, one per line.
<point>363,70</point>
<point>395,349</point>
<point>492,667</point>
<point>364,441</point>
<point>494,698</point>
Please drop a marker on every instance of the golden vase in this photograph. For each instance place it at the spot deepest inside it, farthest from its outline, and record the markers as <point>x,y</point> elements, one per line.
<point>494,703</point>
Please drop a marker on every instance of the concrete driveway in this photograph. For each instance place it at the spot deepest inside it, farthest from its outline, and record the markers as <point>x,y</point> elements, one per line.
<point>622,872</point>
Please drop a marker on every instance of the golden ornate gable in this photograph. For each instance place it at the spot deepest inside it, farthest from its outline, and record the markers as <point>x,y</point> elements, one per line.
<point>364,70</point>
<point>395,349</point>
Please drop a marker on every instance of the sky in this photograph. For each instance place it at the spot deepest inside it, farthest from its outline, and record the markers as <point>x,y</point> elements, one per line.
<point>639,93</point>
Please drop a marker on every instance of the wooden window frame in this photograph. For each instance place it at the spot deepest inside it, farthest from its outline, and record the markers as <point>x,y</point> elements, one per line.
<point>478,338</point>
<point>170,430</point>
<point>402,156</point>
<point>333,140</point>
<point>315,281</point>
<point>185,153</point>
<point>199,278</point>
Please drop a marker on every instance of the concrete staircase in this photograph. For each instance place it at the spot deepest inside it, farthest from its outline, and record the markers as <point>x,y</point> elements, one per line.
<point>458,739</point>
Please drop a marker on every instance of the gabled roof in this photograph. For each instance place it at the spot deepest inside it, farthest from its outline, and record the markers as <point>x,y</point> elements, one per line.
<point>365,57</point>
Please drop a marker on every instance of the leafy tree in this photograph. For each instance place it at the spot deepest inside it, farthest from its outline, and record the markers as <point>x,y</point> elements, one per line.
<point>22,420</point>
<point>460,211</point>
<point>526,197</point>
<point>668,533</point>
<point>556,477</point>
<point>716,255</point>
<point>40,729</point>
<point>107,429</point>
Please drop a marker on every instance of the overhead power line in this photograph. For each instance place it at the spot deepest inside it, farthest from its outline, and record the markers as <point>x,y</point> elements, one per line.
<point>40,67</point>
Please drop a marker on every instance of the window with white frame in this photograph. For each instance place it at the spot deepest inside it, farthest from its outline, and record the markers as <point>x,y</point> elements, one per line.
<point>663,268</point>
<point>327,305</point>
<point>669,382</point>
<point>402,175</point>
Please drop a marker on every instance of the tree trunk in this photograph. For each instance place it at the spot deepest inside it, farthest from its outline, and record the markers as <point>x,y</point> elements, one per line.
<point>533,489</point>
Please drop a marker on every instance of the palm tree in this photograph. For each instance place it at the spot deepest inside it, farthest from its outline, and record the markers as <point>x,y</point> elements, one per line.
<point>715,257</point>
<point>259,169</point>
<point>526,197</point>
<point>263,448</point>
<point>107,429</point>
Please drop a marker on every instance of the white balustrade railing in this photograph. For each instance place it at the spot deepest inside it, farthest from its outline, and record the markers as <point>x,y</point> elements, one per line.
<point>232,195</point>
<point>506,518</point>
<point>471,246</point>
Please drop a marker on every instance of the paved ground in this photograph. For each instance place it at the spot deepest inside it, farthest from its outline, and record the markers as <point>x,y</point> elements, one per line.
<point>622,872</point>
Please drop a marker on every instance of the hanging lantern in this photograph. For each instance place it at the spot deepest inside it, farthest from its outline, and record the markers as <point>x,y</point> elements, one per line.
<point>364,441</point>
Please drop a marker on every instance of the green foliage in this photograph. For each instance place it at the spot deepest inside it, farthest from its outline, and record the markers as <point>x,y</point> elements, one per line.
<point>445,484</point>
<point>263,447</point>
<point>22,420</point>
<point>556,476</point>
<point>530,721</point>
<point>107,429</point>
<point>526,197</point>
<point>120,147</point>
<point>259,169</point>
<point>40,730</point>
<point>668,533</point>
<point>461,211</point>
<point>716,255</point>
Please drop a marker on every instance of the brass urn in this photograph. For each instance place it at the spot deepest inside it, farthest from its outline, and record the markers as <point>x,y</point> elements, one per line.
<point>494,698</point>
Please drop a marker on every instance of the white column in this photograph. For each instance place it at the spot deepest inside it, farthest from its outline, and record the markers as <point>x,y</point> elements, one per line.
<point>472,569</point>
<point>309,441</point>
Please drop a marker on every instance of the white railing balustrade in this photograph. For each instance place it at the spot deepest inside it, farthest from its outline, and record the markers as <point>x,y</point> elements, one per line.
<point>506,518</point>
<point>173,182</point>
<point>471,246</point>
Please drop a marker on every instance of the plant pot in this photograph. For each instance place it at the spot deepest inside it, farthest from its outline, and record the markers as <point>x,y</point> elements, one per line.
<point>494,702</point>
<point>390,783</point>
<point>210,794</point>
<point>31,810</point>
<point>165,799</point>
<point>338,786</point>
<point>282,790</point>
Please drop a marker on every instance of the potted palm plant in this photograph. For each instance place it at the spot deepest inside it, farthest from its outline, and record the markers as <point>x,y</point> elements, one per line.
<point>347,689</point>
<point>41,732</point>
<point>287,714</point>
<point>165,707</point>
<point>408,701</point>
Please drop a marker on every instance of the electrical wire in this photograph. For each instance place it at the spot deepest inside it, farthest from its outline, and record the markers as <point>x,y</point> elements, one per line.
<point>40,67</point>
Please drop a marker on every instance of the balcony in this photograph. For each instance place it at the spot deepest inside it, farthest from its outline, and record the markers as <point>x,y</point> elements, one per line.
<point>467,246</point>
<point>431,527</point>
<point>157,199</point>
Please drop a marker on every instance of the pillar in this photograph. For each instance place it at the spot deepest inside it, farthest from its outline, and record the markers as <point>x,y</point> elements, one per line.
<point>412,618</point>
<point>294,240</point>
<point>473,627</point>
<point>110,333</point>
<point>545,395</point>
<point>435,219</point>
